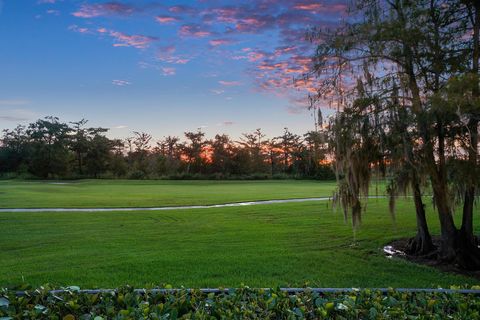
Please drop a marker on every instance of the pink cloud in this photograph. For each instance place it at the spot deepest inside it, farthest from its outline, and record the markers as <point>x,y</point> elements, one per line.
<point>137,40</point>
<point>321,7</point>
<point>216,25</point>
<point>255,56</point>
<point>166,19</point>
<point>242,18</point>
<point>291,18</point>
<point>78,29</point>
<point>230,83</point>
<point>194,30</point>
<point>225,15</point>
<point>167,54</point>
<point>220,42</point>
<point>254,24</point>
<point>48,1</point>
<point>309,6</point>
<point>104,9</point>
<point>285,50</point>
<point>180,9</point>
<point>121,39</point>
<point>182,61</point>
<point>168,71</point>
<point>268,65</point>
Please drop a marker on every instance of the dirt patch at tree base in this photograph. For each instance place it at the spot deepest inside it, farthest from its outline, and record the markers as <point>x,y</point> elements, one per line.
<point>430,260</point>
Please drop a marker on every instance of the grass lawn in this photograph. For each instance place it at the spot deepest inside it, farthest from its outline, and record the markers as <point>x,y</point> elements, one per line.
<point>261,246</point>
<point>128,193</point>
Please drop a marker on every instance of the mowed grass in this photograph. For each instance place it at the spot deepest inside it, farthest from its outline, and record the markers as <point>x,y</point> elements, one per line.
<point>260,246</point>
<point>128,193</point>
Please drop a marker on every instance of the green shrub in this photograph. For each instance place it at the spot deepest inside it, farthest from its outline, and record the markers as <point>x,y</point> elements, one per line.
<point>137,175</point>
<point>242,303</point>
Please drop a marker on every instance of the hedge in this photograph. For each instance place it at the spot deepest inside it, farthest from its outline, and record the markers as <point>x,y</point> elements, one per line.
<point>241,303</point>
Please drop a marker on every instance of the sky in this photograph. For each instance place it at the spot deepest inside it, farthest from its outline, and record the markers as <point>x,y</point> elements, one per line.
<point>161,67</point>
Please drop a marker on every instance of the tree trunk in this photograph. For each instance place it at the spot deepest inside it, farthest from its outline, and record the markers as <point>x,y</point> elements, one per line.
<point>468,253</point>
<point>467,218</point>
<point>422,243</point>
<point>356,213</point>
<point>447,250</point>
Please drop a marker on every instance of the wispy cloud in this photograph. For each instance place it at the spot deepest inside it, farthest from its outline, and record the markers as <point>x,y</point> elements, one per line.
<point>194,30</point>
<point>217,91</point>
<point>53,12</point>
<point>121,39</point>
<point>230,83</point>
<point>168,71</point>
<point>220,42</point>
<point>121,83</point>
<point>316,7</point>
<point>135,40</point>
<point>103,9</point>
<point>221,27</point>
<point>78,29</point>
<point>181,9</point>
<point>13,102</point>
<point>48,1</point>
<point>166,19</point>
<point>168,54</point>
<point>254,56</point>
<point>17,115</point>
<point>165,71</point>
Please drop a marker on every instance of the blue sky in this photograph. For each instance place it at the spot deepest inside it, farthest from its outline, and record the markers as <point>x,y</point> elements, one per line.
<point>162,67</point>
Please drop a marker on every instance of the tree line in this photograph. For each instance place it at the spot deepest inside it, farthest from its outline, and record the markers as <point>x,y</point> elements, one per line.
<point>49,148</point>
<point>405,77</point>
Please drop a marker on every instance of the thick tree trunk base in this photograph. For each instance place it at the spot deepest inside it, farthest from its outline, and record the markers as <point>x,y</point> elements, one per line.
<point>465,261</point>
<point>419,246</point>
<point>467,253</point>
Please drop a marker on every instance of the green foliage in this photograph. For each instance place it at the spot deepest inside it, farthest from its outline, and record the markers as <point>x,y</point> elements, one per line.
<point>242,303</point>
<point>414,111</point>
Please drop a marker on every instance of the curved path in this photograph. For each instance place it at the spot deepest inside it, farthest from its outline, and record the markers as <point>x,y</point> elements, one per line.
<point>235,204</point>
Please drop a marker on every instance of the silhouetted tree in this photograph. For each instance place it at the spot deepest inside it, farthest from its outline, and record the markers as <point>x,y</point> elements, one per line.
<point>422,56</point>
<point>222,152</point>
<point>49,147</point>
<point>14,149</point>
<point>193,149</point>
